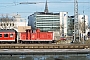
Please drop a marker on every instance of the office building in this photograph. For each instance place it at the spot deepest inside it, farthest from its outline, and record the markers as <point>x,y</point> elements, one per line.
<point>83,25</point>
<point>49,21</point>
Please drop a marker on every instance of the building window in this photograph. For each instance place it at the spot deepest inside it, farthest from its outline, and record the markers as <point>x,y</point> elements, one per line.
<point>5,35</point>
<point>13,24</point>
<point>4,24</point>
<point>0,35</point>
<point>1,24</point>
<point>10,24</point>
<point>7,24</point>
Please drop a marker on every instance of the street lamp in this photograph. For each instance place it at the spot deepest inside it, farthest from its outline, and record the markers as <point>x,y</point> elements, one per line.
<point>84,24</point>
<point>84,29</point>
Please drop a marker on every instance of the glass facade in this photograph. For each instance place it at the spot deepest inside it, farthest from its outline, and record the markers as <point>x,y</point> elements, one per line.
<point>47,21</point>
<point>70,25</point>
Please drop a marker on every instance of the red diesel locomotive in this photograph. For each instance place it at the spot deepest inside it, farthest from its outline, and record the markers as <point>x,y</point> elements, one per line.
<point>29,36</point>
<point>35,36</point>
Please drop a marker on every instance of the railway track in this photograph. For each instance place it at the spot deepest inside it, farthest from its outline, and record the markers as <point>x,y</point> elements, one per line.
<point>44,46</point>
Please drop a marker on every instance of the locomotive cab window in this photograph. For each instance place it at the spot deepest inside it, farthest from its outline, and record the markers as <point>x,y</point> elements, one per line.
<point>33,31</point>
<point>5,35</point>
<point>0,35</point>
<point>11,35</point>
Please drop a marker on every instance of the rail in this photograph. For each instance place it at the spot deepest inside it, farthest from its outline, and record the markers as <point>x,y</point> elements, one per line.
<point>44,46</point>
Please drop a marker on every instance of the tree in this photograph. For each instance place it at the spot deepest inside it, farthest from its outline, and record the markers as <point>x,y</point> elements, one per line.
<point>5,21</point>
<point>82,27</point>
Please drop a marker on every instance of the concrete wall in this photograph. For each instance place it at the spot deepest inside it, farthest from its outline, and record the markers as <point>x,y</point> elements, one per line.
<point>81,19</point>
<point>63,22</point>
<point>23,28</point>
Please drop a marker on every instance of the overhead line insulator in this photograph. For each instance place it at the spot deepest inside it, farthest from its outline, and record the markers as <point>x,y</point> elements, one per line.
<point>28,3</point>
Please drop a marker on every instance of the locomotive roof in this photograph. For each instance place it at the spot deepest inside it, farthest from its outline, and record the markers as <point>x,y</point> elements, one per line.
<point>7,30</point>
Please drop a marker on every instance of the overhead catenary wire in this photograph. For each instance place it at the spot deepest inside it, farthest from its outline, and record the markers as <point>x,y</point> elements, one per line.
<point>18,3</point>
<point>48,2</point>
<point>39,2</point>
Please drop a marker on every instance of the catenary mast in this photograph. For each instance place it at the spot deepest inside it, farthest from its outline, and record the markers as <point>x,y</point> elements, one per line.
<point>76,22</point>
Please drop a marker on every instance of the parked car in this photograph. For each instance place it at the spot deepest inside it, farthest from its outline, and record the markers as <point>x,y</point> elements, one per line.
<point>62,38</point>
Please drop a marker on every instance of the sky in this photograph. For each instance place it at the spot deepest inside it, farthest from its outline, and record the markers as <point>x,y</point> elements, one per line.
<point>12,6</point>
